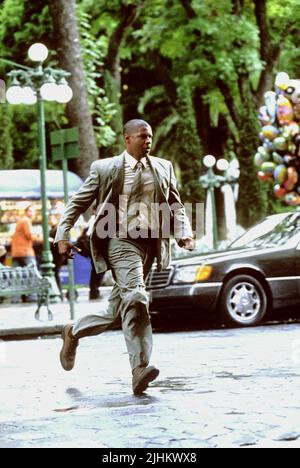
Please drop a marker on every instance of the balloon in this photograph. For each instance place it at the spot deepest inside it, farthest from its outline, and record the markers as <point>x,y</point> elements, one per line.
<point>265,152</point>
<point>280,144</point>
<point>278,156</point>
<point>292,179</point>
<point>268,145</point>
<point>259,160</point>
<point>264,177</point>
<point>291,130</point>
<point>279,191</point>
<point>281,174</point>
<point>292,199</point>
<point>288,159</point>
<point>270,101</point>
<point>263,116</point>
<point>268,168</point>
<point>285,112</point>
<point>282,80</point>
<point>270,132</point>
<point>292,91</point>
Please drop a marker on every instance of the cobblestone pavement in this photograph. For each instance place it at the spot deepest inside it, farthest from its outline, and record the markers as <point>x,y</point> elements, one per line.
<point>217,388</point>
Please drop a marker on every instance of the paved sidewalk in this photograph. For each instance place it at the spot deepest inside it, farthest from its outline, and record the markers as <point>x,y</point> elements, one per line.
<point>216,389</point>
<point>17,320</point>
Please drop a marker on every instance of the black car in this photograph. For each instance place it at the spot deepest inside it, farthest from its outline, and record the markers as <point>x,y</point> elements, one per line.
<point>258,273</point>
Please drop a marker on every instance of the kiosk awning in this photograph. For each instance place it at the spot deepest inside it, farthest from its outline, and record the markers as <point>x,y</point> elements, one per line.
<point>26,184</point>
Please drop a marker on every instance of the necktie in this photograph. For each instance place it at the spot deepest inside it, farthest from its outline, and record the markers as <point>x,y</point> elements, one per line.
<point>137,187</point>
<point>135,198</point>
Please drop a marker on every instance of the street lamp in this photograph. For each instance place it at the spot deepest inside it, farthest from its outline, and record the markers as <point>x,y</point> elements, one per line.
<point>211,181</point>
<point>32,86</point>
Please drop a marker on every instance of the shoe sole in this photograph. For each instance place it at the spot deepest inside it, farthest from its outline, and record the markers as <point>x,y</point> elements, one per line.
<point>61,352</point>
<point>143,384</point>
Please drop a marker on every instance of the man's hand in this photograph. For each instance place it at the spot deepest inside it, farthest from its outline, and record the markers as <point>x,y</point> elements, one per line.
<point>66,248</point>
<point>187,243</point>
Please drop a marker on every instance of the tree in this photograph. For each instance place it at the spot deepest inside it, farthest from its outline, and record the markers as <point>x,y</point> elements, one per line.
<point>66,34</point>
<point>14,43</point>
<point>225,55</point>
<point>6,154</point>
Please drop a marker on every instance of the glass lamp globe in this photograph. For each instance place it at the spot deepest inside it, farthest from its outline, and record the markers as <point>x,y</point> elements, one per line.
<point>29,96</point>
<point>48,91</point>
<point>14,95</point>
<point>222,165</point>
<point>235,164</point>
<point>209,161</point>
<point>236,173</point>
<point>38,52</point>
<point>64,93</point>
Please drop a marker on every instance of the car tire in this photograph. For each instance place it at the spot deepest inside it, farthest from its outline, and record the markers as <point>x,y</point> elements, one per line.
<point>243,301</point>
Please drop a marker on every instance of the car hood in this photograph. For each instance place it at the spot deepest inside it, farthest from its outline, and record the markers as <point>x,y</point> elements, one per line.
<point>220,256</point>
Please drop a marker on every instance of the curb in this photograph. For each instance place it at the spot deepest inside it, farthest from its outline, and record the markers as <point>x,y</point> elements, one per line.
<point>30,332</point>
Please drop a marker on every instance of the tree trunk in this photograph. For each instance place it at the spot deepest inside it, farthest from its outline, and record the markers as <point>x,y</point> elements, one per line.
<point>112,74</point>
<point>269,52</point>
<point>66,35</point>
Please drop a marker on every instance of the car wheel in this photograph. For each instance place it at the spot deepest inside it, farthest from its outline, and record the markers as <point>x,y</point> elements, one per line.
<point>244,301</point>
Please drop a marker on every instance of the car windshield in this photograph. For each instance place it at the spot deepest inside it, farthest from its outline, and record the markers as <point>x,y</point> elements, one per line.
<point>277,230</point>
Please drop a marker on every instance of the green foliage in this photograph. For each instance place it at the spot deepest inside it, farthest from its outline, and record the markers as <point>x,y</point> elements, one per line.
<point>6,157</point>
<point>189,148</point>
<point>207,50</point>
<point>22,23</point>
<point>14,43</point>
<point>93,53</point>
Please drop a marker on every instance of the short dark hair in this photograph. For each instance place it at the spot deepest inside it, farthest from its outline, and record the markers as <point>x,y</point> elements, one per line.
<point>132,125</point>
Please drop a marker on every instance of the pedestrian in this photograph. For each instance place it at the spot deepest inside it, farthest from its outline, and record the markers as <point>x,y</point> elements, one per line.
<point>22,251</point>
<point>142,180</point>
<point>22,240</point>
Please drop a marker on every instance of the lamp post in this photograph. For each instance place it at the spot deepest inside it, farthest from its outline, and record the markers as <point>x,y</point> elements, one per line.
<point>211,181</point>
<point>33,86</point>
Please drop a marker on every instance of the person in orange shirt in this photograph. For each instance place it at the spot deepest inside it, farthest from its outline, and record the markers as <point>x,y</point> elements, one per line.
<point>22,246</point>
<point>22,241</point>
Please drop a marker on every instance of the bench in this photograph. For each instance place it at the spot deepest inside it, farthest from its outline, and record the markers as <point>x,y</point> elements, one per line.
<point>24,281</point>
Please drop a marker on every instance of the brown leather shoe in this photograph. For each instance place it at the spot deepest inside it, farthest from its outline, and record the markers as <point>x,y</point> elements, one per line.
<point>142,376</point>
<point>68,352</point>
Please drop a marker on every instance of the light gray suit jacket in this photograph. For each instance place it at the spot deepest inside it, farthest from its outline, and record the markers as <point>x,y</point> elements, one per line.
<point>105,184</point>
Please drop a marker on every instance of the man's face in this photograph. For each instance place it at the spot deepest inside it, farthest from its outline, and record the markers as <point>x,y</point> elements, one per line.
<point>138,144</point>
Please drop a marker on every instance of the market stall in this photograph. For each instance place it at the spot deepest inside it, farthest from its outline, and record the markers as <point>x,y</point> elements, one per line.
<point>20,187</point>
<point>17,187</point>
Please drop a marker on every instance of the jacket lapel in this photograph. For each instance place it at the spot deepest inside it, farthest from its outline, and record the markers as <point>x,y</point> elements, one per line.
<point>117,177</point>
<point>159,191</point>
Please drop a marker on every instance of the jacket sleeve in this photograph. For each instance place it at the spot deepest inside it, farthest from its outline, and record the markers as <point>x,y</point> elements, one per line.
<point>79,203</point>
<point>182,226</point>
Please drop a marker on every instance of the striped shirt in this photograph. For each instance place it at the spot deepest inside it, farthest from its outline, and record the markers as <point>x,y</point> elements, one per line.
<point>144,216</point>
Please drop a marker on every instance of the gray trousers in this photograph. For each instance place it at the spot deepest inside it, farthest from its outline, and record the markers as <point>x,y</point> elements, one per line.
<point>130,262</point>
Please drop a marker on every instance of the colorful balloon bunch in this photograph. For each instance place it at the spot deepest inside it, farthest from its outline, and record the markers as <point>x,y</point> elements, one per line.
<point>278,158</point>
